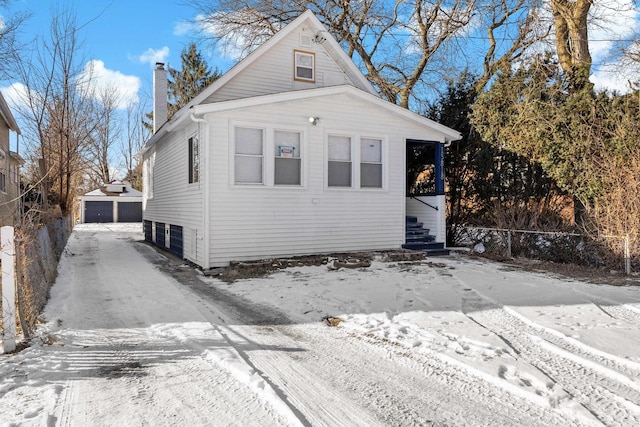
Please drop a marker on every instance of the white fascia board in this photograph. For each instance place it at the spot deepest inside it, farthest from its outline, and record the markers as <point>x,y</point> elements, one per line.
<point>448,133</point>
<point>342,59</point>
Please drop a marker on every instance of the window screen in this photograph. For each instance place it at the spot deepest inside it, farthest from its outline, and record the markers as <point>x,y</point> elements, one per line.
<point>304,65</point>
<point>339,164</point>
<point>370,163</point>
<point>287,166</point>
<point>248,162</point>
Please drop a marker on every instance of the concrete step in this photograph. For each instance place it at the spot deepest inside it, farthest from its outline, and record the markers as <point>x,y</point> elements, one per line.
<point>431,248</point>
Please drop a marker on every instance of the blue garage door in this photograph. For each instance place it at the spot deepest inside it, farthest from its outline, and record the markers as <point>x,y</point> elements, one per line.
<point>98,211</point>
<point>130,212</point>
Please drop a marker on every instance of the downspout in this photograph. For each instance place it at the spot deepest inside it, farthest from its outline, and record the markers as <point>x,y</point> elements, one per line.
<point>204,172</point>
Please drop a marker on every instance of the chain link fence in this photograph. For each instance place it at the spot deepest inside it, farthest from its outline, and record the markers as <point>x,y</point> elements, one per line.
<point>615,252</point>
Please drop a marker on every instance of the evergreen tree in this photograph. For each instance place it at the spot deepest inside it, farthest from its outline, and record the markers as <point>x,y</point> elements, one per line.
<point>187,82</point>
<point>483,178</point>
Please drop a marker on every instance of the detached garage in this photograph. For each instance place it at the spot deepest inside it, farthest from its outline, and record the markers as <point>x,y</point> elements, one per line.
<point>114,202</point>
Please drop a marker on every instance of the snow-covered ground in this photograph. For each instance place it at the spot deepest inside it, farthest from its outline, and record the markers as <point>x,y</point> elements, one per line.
<point>135,338</point>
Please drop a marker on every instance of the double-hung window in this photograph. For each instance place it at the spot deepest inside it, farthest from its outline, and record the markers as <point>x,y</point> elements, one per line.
<point>304,65</point>
<point>3,172</point>
<point>249,157</point>
<point>287,166</point>
<point>194,160</point>
<point>354,161</point>
<point>339,161</point>
<point>370,163</point>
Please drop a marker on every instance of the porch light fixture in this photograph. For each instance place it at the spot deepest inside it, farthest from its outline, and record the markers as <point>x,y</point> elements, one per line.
<point>314,120</point>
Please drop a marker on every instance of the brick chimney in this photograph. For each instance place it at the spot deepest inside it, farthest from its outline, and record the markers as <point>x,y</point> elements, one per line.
<point>159,96</point>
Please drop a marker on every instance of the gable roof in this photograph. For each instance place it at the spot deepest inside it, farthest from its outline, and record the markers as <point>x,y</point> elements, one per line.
<point>330,44</point>
<point>6,115</point>
<point>332,47</point>
<point>448,133</point>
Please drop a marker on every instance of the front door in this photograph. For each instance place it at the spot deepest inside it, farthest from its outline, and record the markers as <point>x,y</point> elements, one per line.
<point>425,168</point>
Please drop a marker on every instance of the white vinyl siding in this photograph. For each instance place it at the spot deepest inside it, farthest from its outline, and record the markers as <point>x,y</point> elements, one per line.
<point>250,222</point>
<point>274,73</point>
<point>249,159</point>
<point>171,199</point>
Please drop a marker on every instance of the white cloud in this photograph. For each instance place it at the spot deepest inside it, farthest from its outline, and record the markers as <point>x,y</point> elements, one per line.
<point>614,77</point>
<point>104,78</point>
<point>15,95</point>
<point>151,56</point>
<point>184,27</point>
<point>610,21</point>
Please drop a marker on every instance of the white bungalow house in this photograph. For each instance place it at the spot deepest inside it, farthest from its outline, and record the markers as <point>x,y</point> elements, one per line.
<point>291,152</point>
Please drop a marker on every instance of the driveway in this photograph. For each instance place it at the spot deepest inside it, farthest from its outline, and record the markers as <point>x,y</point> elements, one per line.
<point>135,337</point>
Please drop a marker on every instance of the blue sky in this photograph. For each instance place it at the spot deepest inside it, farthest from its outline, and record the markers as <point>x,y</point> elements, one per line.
<point>122,38</point>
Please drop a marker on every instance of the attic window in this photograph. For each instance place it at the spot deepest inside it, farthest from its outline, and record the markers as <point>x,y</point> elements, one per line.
<point>304,64</point>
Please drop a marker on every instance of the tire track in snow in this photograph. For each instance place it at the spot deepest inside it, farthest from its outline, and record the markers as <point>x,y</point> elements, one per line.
<point>600,382</point>
<point>385,376</point>
<point>626,312</point>
<point>618,364</point>
<point>611,397</point>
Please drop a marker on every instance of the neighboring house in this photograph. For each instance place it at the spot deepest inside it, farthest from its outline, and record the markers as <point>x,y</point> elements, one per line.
<point>10,163</point>
<point>291,152</point>
<point>114,202</point>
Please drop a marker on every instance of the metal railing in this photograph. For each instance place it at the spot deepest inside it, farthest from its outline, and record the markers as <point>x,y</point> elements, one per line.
<point>414,197</point>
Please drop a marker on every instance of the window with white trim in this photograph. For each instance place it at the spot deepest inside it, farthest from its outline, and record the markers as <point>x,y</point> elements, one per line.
<point>194,159</point>
<point>248,156</point>
<point>304,65</point>
<point>287,167</point>
<point>370,163</point>
<point>339,170</point>
<point>3,172</point>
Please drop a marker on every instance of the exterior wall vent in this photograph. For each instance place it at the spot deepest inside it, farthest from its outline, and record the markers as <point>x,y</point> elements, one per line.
<point>305,40</point>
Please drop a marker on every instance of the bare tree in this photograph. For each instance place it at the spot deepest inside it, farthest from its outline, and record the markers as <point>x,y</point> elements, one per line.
<point>519,21</point>
<point>137,133</point>
<point>10,25</point>
<point>107,131</point>
<point>58,111</point>
<point>399,45</point>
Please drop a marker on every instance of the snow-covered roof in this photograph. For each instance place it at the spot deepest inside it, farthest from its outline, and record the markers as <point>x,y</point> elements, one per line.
<point>103,192</point>
<point>448,133</point>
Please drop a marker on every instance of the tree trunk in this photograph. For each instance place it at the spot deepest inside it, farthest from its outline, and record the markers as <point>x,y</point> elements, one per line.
<point>572,42</point>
